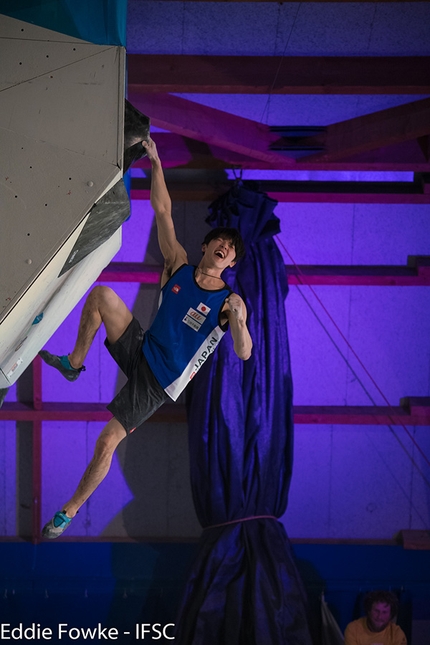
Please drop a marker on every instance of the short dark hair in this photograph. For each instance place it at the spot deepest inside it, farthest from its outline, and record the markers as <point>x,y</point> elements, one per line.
<point>386,597</point>
<point>228,233</point>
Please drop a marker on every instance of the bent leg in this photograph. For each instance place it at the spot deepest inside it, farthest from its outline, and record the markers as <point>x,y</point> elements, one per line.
<point>102,305</point>
<point>112,434</point>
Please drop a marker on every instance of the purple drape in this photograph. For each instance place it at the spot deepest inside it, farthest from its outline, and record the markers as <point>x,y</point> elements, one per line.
<point>244,588</point>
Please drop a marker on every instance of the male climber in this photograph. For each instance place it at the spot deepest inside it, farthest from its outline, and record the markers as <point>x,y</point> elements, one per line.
<point>196,309</point>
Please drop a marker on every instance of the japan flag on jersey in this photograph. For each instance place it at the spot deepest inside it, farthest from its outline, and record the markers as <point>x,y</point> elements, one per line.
<point>204,309</point>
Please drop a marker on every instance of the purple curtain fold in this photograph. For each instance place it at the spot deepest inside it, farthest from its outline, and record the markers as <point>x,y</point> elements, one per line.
<point>243,588</point>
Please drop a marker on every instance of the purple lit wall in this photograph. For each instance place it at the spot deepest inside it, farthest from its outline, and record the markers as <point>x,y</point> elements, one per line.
<point>349,481</point>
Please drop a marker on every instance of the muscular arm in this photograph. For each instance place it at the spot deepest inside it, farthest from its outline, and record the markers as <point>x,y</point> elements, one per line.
<point>235,311</point>
<point>174,254</point>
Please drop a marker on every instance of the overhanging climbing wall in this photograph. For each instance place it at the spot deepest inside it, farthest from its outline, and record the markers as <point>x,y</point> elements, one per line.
<point>61,137</point>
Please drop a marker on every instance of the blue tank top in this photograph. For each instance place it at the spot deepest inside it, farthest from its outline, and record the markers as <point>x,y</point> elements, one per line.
<point>185,331</point>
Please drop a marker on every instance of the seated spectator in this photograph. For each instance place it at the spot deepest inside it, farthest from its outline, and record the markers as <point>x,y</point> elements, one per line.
<point>376,628</point>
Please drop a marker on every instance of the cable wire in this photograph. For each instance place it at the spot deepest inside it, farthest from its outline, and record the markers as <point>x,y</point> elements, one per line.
<point>300,277</point>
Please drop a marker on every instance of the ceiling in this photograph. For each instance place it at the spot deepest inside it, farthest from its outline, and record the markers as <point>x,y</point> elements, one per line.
<point>217,77</point>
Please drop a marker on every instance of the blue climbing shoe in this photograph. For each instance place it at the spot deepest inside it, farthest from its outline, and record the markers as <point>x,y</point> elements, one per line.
<point>55,527</point>
<point>62,364</point>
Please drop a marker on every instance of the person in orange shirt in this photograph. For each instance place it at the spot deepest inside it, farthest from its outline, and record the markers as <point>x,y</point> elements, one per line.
<point>376,628</point>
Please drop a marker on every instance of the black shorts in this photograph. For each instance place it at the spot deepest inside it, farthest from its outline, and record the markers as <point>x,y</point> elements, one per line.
<point>142,395</point>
